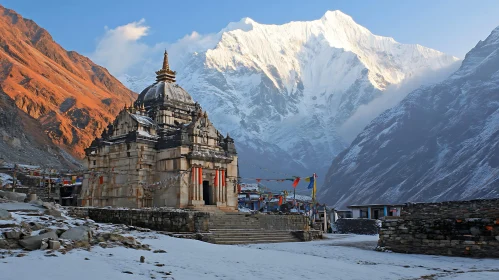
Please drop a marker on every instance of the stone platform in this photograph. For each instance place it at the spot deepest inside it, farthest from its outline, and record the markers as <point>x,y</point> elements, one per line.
<point>214,227</point>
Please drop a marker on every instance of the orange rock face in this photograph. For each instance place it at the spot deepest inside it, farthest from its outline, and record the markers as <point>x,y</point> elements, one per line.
<point>73,98</point>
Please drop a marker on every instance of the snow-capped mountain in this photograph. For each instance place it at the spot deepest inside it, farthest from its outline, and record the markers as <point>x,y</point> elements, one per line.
<point>440,143</point>
<point>283,91</point>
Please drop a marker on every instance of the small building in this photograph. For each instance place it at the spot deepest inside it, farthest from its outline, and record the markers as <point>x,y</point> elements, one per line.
<point>375,211</point>
<point>343,214</point>
<point>322,218</point>
<point>249,196</point>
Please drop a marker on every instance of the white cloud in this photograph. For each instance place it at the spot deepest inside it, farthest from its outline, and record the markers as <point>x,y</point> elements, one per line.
<point>119,49</point>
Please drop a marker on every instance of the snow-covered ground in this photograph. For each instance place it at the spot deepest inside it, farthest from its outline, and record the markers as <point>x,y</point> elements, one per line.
<point>341,257</point>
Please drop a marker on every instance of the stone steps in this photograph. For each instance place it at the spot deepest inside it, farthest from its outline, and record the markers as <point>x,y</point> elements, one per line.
<point>213,209</point>
<point>251,236</point>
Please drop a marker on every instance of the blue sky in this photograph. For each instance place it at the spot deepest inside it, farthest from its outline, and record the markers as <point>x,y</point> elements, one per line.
<point>451,26</point>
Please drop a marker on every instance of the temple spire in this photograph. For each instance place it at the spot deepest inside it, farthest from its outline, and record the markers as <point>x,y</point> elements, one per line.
<point>165,74</point>
<point>166,66</point>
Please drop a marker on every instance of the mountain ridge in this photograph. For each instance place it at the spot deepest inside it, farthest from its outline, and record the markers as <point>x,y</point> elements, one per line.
<point>440,143</point>
<point>290,87</point>
<point>72,97</point>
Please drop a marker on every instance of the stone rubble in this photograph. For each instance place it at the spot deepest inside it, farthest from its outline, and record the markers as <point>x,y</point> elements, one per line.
<point>49,229</point>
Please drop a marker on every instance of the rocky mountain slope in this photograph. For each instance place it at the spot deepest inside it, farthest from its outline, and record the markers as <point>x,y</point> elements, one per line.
<point>70,96</point>
<point>440,143</point>
<point>283,91</point>
<point>19,146</point>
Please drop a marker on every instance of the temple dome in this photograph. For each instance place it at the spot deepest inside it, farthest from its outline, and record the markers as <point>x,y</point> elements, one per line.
<point>164,89</point>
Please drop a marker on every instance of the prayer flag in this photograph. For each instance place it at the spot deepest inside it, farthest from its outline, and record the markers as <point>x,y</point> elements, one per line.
<point>295,183</point>
<point>312,182</point>
<point>258,180</point>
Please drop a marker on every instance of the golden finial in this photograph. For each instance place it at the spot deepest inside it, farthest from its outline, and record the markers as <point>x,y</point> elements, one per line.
<point>166,65</point>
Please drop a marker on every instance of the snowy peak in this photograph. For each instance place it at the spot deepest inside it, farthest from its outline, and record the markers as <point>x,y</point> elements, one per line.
<point>440,143</point>
<point>283,91</point>
<point>245,24</point>
<point>480,55</point>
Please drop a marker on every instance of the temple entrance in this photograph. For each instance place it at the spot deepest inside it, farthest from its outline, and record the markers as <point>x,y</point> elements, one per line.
<point>206,193</point>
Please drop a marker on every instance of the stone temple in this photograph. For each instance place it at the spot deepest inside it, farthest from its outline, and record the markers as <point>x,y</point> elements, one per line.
<point>162,151</point>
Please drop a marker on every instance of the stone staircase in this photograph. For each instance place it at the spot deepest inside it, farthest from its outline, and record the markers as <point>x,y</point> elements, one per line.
<point>213,209</point>
<point>251,236</point>
<point>239,228</point>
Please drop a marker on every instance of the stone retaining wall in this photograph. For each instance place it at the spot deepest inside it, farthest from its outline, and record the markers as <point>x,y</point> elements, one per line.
<point>259,221</point>
<point>456,228</point>
<point>189,221</point>
<point>357,226</point>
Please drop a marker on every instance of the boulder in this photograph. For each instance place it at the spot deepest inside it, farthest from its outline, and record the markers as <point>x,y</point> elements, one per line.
<point>35,226</point>
<point>54,245</point>
<point>80,233</point>
<point>35,242</point>
<point>53,213</point>
<point>60,231</point>
<point>13,234</point>
<point>37,202</point>
<point>8,244</point>
<point>45,244</point>
<point>49,205</point>
<point>5,215</point>
<point>13,196</point>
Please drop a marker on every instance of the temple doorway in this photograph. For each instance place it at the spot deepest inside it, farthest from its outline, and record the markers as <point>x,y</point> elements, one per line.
<point>206,193</point>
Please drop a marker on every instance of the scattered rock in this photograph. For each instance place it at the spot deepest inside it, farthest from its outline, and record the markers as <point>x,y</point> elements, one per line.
<point>51,255</point>
<point>19,197</point>
<point>26,228</point>
<point>35,226</point>
<point>159,264</point>
<point>45,230</point>
<point>142,259</point>
<point>34,242</point>
<point>87,259</point>
<point>14,234</point>
<point>80,244</point>
<point>5,215</point>
<point>159,251</point>
<point>60,231</point>
<point>80,233</point>
<point>7,225</point>
<point>53,212</point>
<point>44,245</point>
<point>49,205</point>
<point>37,202</point>
<point>8,244</point>
<point>20,255</point>
<point>128,272</point>
<point>54,244</point>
